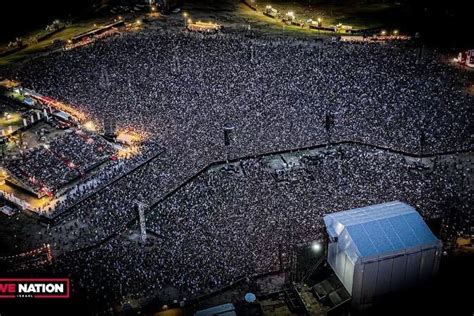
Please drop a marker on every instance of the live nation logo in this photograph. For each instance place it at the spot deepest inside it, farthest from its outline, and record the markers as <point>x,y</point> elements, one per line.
<point>34,288</point>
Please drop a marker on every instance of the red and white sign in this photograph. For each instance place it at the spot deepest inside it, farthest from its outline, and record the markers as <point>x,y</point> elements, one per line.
<point>34,288</point>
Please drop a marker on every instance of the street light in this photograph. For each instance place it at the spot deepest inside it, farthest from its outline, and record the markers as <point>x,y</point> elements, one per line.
<point>316,246</point>
<point>395,32</point>
<point>383,32</point>
<point>185,15</point>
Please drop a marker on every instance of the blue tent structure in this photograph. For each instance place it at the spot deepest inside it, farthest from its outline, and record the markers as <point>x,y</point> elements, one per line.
<point>378,249</point>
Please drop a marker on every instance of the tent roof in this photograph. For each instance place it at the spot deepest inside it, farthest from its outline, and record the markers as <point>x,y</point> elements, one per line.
<point>383,229</point>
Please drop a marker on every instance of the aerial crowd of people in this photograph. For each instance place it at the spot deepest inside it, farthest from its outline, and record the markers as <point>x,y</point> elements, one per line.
<point>215,229</point>
<point>279,94</point>
<point>56,163</point>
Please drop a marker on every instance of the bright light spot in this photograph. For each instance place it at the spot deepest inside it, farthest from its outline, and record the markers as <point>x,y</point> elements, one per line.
<point>90,126</point>
<point>128,152</point>
<point>383,32</point>
<point>3,173</point>
<point>395,32</point>
<point>129,137</point>
<point>185,14</point>
<point>138,22</point>
<point>316,247</point>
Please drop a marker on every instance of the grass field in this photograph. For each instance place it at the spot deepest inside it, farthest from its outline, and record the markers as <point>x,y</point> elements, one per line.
<point>362,15</point>
<point>43,46</point>
<point>239,15</point>
<point>358,15</point>
<point>15,120</point>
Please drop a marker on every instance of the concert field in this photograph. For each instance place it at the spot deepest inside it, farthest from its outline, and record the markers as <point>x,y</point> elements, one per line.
<point>237,158</point>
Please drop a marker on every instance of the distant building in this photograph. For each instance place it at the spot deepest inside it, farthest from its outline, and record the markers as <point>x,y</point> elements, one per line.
<point>270,12</point>
<point>466,58</point>
<point>380,249</point>
<point>204,27</point>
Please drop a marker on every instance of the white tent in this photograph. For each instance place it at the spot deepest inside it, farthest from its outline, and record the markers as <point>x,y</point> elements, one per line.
<point>379,249</point>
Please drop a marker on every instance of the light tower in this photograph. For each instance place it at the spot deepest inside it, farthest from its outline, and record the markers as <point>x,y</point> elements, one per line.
<point>141,207</point>
<point>228,134</point>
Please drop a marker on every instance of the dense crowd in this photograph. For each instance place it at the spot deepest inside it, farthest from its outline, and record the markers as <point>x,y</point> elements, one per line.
<point>41,170</point>
<point>81,150</point>
<point>216,229</point>
<point>279,94</point>
<point>48,167</point>
<point>275,92</point>
<point>90,188</point>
